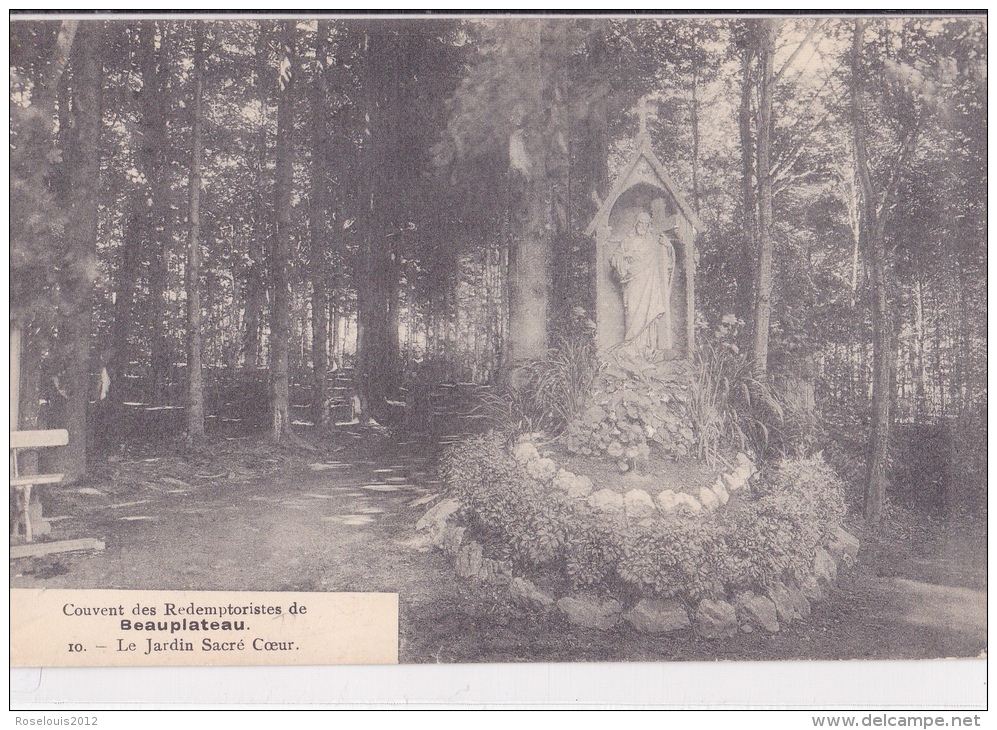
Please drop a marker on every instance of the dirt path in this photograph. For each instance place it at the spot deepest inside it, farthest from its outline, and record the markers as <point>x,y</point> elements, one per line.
<point>331,526</point>
<point>326,524</point>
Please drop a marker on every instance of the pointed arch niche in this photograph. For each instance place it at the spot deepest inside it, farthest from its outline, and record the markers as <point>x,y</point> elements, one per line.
<point>644,185</point>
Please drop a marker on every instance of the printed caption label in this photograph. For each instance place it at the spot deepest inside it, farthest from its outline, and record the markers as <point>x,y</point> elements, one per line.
<point>107,628</point>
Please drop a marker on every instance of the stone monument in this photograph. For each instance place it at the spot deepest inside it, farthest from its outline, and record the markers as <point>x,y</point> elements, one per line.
<point>645,261</point>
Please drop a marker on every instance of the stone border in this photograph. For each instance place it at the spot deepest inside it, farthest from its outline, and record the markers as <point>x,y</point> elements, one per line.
<point>636,503</point>
<point>781,605</point>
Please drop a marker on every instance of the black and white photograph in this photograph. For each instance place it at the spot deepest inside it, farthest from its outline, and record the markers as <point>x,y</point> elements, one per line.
<point>594,338</point>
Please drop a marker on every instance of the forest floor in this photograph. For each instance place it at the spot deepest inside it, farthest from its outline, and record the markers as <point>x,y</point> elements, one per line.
<point>338,515</point>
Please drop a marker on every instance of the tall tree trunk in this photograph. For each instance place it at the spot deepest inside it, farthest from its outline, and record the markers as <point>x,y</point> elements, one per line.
<point>873,238</point>
<point>963,387</point>
<point>82,161</point>
<point>596,153</point>
<point>154,155</point>
<point>375,268</point>
<point>26,371</point>
<point>531,260</point>
<point>763,171</point>
<point>256,285</point>
<point>749,254</point>
<point>392,343</point>
<point>195,385</point>
<point>920,371</point>
<point>129,273</point>
<point>852,203</point>
<point>320,352</point>
<point>882,367</point>
<point>694,120</point>
<point>937,343</point>
<point>281,329</point>
<point>317,209</point>
<point>16,340</point>
<point>529,274</point>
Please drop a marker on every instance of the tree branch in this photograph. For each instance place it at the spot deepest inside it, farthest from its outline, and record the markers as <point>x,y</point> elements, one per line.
<point>63,46</point>
<point>784,163</point>
<point>907,148</point>
<point>819,24</point>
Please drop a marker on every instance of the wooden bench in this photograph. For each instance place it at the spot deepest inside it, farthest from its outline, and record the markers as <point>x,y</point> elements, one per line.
<point>25,440</point>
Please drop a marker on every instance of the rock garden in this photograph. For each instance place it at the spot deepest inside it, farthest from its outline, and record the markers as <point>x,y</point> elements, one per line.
<point>625,518</point>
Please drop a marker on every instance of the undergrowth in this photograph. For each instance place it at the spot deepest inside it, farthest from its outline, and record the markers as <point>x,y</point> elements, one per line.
<point>544,394</point>
<point>735,409</point>
<point>768,536</point>
<point>619,408</point>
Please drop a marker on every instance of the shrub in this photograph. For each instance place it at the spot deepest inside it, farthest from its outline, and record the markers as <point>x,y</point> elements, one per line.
<point>774,536</point>
<point>563,378</point>
<point>936,466</point>
<point>591,551</point>
<point>678,556</point>
<point>769,535</point>
<point>503,504</point>
<point>734,410</point>
<point>547,394</point>
<point>514,411</point>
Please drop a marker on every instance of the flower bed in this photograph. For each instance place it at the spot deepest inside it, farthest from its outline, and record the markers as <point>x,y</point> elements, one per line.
<point>746,552</point>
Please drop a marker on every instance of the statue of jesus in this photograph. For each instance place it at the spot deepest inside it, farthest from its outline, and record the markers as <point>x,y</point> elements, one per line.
<point>644,264</point>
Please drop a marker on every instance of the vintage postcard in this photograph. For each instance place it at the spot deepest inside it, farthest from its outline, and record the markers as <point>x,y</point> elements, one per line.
<point>364,339</point>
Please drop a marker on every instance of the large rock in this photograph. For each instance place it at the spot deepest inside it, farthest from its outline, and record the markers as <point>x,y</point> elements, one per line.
<point>715,619</point>
<point>800,602</point>
<point>733,481</point>
<point>581,487</point>
<point>667,501</point>
<point>525,452</point>
<point>745,464</point>
<point>564,480</point>
<point>437,515</point>
<point>469,561</point>
<point>606,500</point>
<point>590,612</point>
<point>720,489</point>
<point>741,475</point>
<point>688,503</point>
<point>492,571</point>
<point>844,546</point>
<point>543,470</point>
<point>656,616</point>
<point>524,593</point>
<point>435,520</point>
<point>453,535</point>
<point>576,486</point>
<point>672,501</point>
<point>757,611</point>
<point>825,569</point>
<point>811,589</point>
<point>638,504</point>
<point>786,607</point>
<point>708,499</point>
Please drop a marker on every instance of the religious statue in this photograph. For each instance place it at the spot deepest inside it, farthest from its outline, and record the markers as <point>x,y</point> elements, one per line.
<point>644,264</point>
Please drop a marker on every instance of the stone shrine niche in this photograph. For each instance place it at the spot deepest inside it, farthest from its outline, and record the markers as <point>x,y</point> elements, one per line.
<point>645,263</point>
